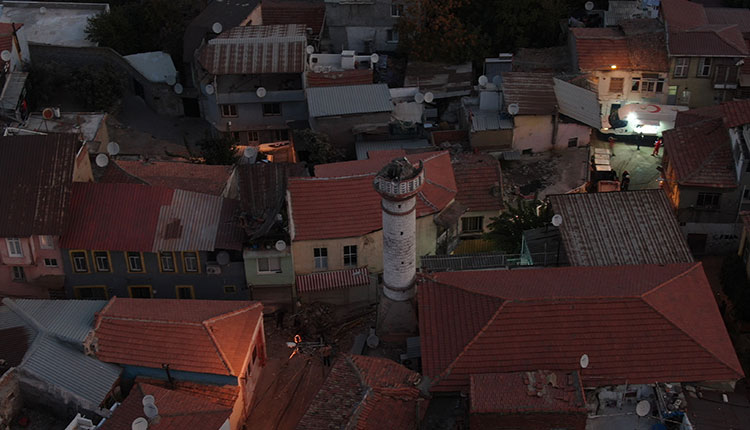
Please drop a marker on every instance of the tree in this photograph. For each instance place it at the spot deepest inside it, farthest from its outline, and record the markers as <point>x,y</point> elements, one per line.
<point>506,230</point>
<point>220,150</point>
<point>432,30</point>
<point>319,148</point>
<point>97,88</point>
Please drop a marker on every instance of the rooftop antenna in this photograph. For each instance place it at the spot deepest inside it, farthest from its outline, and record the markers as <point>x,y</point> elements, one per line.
<point>139,423</point>
<point>309,49</point>
<point>557,220</point>
<point>429,97</point>
<point>418,97</point>
<point>217,27</point>
<point>589,5</point>
<point>102,160</point>
<point>513,109</point>
<point>5,55</point>
<point>261,92</point>
<point>178,89</point>
<point>483,80</point>
<point>584,361</point>
<point>113,148</point>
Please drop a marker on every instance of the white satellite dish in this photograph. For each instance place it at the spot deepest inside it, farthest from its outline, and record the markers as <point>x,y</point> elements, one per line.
<point>171,80</point>
<point>113,148</point>
<point>497,80</point>
<point>178,88</point>
<point>584,361</point>
<point>513,109</point>
<point>42,10</point>
<point>260,92</point>
<point>222,258</point>
<point>102,160</point>
<point>217,27</point>
<point>643,408</point>
<point>280,245</point>
<point>148,399</point>
<point>310,49</point>
<point>483,80</point>
<point>418,97</point>
<point>589,5</point>
<point>429,97</point>
<point>151,411</point>
<point>5,55</point>
<point>139,423</point>
<point>209,89</point>
<point>374,58</point>
<point>557,220</point>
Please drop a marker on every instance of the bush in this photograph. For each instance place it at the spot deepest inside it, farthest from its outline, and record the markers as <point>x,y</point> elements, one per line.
<point>97,88</point>
<point>219,150</point>
<point>736,286</point>
<point>93,88</point>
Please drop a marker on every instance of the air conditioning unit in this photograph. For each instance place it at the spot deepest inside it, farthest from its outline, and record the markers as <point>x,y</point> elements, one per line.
<point>213,270</point>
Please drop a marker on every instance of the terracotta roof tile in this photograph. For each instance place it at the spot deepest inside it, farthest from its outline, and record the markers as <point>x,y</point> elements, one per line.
<point>479,181</point>
<point>629,321</point>
<point>196,335</point>
<point>683,14</point>
<point>701,154</point>
<point>200,178</point>
<point>559,392</point>
<point>708,40</point>
<point>729,15</point>
<point>326,208</point>
<point>225,395</point>
<point>532,92</point>
<point>600,48</point>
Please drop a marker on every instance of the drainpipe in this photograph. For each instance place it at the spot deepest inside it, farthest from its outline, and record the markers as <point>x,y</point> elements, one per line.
<point>554,127</point>
<point>165,366</point>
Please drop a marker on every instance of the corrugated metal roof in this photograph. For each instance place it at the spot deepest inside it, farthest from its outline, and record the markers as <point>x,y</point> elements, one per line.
<point>612,229</point>
<point>442,80</point>
<point>532,92</point>
<point>67,319</point>
<point>191,221</point>
<point>327,281</point>
<point>578,103</point>
<point>68,369</point>
<point>347,100</point>
<point>35,184</point>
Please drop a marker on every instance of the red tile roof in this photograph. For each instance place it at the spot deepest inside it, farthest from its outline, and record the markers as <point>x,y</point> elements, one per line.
<point>200,178</point>
<point>600,48</point>
<point>225,395</point>
<point>36,183</point>
<point>637,325</point>
<point>339,78</point>
<point>734,113</point>
<point>6,35</point>
<point>177,410</point>
<point>540,391</point>
<point>327,208</point>
<point>376,161</point>
<point>729,15</point>
<point>310,13</point>
<point>708,40</point>
<point>479,181</point>
<point>701,154</point>
<point>683,14</point>
<point>364,392</point>
<point>334,280</point>
<point>202,336</point>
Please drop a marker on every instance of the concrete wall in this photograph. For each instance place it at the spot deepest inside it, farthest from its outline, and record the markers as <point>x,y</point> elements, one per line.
<point>603,80</point>
<point>349,25</point>
<point>270,287</point>
<point>532,132</point>
<point>491,140</point>
<point>158,96</point>
<point>720,239</point>
<point>363,293</point>
<point>339,129</point>
<point>726,213</point>
<point>10,397</point>
<point>486,220</point>
<point>205,286</point>
<point>567,131</point>
<point>701,88</point>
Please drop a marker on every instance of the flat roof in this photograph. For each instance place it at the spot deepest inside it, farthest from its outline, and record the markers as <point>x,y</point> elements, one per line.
<point>59,23</point>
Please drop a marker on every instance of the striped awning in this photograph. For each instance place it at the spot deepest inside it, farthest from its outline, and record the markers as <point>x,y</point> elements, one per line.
<point>327,281</point>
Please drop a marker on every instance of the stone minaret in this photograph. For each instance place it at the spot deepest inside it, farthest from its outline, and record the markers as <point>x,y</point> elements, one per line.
<point>398,183</point>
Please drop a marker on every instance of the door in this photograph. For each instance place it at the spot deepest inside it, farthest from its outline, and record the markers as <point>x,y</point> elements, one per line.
<point>672,95</point>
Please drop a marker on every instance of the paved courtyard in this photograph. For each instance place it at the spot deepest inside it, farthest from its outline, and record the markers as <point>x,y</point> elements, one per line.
<point>638,162</point>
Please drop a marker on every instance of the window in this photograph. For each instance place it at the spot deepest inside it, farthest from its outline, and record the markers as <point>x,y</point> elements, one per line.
<point>18,273</point>
<point>271,109</point>
<point>320,255</point>
<point>397,10</point>
<point>471,224</point>
<point>235,136</point>
<point>392,36</point>
<point>269,265</point>
<point>616,85</point>
<point>704,67</point>
<point>135,262</point>
<point>253,137</point>
<point>166,262</point>
<point>681,67</point>
<point>573,142</point>
<point>184,292</point>
<point>80,261</point>
<point>228,110</point>
<point>101,261</point>
<point>708,200</point>
<point>95,292</point>
<point>350,256</point>
<point>280,135</point>
<point>653,85</point>
<point>190,262</point>
<point>230,289</point>
<point>635,85</point>
<point>46,242</point>
<point>50,262</point>
<point>14,247</point>
<point>140,291</point>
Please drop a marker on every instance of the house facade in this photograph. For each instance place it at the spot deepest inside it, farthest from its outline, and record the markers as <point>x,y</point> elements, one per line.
<point>363,26</point>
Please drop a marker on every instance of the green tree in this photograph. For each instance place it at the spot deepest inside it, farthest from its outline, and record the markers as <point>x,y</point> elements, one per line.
<point>219,150</point>
<point>318,146</point>
<point>506,230</point>
<point>432,30</point>
<point>97,88</point>
<point>45,82</point>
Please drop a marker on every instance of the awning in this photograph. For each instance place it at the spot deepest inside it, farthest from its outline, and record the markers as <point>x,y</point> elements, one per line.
<point>334,280</point>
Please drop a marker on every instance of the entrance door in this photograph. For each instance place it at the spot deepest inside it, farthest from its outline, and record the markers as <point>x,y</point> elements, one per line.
<point>672,95</point>
<point>697,243</point>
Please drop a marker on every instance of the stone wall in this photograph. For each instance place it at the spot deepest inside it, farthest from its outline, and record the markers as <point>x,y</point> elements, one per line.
<point>10,397</point>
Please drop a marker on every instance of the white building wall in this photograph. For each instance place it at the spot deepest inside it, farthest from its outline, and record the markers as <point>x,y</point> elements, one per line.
<point>399,248</point>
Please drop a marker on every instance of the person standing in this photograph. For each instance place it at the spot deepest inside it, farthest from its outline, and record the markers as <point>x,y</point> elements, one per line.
<point>625,182</point>
<point>611,145</point>
<point>657,146</point>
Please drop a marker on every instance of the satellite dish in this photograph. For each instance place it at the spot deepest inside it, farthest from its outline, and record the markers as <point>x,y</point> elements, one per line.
<point>280,245</point>
<point>42,10</point>
<point>429,97</point>
<point>148,399</point>
<point>589,5</point>
<point>139,423</point>
<point>222,258</point>
<point>557,220</point>
<point>178,88</point>
<point>374,58</point>
<point>48,113</point>
<point>483,80</point>
<point>260,92</point>
<point>418,97</point>
<point>5,55</point>
<point>497,80</point>
<point>217,27</point>
<point>171,80</point>
<point>151,411</point>
<point>310,49</point>
<point>513,109</point>
<point>113,148</point>
<point>102,160</point>
<point>209,89</point>
<point>317,69</point>
<point>584,361</point>
<point>643,408</point>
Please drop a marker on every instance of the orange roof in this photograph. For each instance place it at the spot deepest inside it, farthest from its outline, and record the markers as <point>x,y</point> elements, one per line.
<point>527,392</point>
<point>225,395</point>
<point>327,208</point>
<point>683,14</point>
<point>600,48</point>
<point>701,154</point>
<point>204,336</point>
<point>637,324</point>
<point>479,182</point>
<point>200,178</point>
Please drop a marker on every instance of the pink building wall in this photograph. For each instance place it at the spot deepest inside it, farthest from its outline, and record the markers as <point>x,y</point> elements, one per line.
<point>32,262</point>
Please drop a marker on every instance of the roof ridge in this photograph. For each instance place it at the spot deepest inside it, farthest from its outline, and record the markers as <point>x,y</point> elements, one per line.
<point>232,313</point>
<point>28,319</point>
<point>709,157</point>
<point>152,321</point>
<point>215,342</point>
<point>329,178</point>
<point>694,265</point>
<point>426,201</point>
